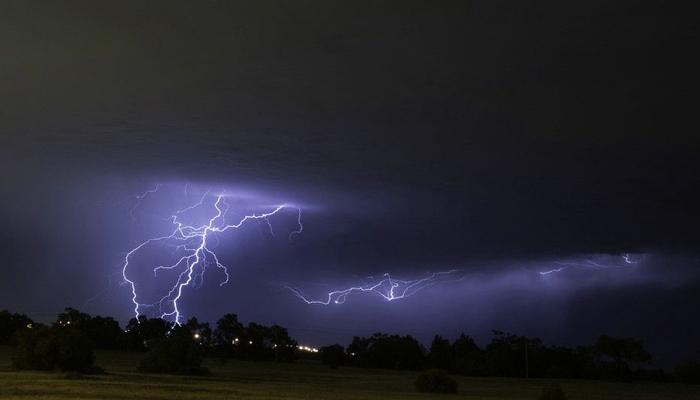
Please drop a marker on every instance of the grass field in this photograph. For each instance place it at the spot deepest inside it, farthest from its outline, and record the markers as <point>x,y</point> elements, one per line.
<point>251,380</point>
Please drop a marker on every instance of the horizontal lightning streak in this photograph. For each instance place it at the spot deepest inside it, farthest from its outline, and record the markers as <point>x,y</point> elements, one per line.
<point>389,289</point>
<point>588,264</point>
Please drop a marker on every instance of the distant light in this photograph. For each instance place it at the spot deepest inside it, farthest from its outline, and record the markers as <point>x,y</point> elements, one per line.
<point>250,342</point>
<point>196,336</point>
<point>30,326</point>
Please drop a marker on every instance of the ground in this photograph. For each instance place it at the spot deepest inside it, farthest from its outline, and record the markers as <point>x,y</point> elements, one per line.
<point>303,380</point>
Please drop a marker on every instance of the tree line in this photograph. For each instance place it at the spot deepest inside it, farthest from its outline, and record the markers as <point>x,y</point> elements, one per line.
<point>179,349</point>
<point>508,355</point>
<point>68,343</point>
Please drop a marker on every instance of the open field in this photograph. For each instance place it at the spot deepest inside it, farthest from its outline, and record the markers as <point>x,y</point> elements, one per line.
<point>252,380</point>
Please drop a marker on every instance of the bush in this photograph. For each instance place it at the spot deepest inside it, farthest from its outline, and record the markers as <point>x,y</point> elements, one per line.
<point>174,355</point>
<point>57,348</point>
<point>435,381</point>
<point>688,372</point>
<point>552,392</point>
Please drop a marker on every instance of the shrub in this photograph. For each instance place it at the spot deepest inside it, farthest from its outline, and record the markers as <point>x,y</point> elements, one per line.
<point>174,355</point>
<point>552,392</point>
<point>435,381</point>
<point>57,348</point>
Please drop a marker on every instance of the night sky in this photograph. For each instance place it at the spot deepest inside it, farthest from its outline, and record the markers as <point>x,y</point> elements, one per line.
<point>501,138</point>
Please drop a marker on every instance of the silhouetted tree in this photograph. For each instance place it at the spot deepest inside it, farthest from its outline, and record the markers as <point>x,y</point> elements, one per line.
<point>384,351</point>
<point>469,358</point>
<point>441,354</point>
<point>11,323</point>
<point>511,355</point>
<point>104,332</point>
<point>358,351</point>
<point>284,348</point>
<point>141,333</point>
<point>253,342</point>
<point>198,332</point>
<point>228,333</point>
<point>176,354</point>
<point>64,348</point>
<point>333,356</point>
<point>613,356</point>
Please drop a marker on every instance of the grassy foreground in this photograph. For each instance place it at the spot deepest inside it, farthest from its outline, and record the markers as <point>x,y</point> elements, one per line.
<point>251,380</point>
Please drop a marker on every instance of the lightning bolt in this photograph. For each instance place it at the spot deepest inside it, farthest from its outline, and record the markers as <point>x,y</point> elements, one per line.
<point>141,197</point>
<point>588,264</point>
<point>629,260</point>
<point>193,243</point>
<point>388,288</point>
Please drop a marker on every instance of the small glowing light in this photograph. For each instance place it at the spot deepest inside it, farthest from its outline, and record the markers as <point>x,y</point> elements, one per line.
<point>29,326</point>
<point>196,336</point>
<point>250,342</point>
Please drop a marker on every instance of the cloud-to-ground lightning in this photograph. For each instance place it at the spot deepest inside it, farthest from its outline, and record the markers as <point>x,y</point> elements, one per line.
<point>388,288</point>
<point>193,245</point>
<point>588,264</point>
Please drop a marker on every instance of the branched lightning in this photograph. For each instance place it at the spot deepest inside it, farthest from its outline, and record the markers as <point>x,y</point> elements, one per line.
<point>193,243</point>
<point>388,288</point>
<point>588,264</point>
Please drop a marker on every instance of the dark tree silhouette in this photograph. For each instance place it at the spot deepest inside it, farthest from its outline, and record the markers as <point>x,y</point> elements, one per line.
<point>64,348</point>
<point>506,355</point>
<point>441,354</point>
<point>284,348</point>
<point>332,356</point>
<point>613,356</point>
<point>200,333</point>
<point>143,332</point>
<point>103,331</point>
<point>176,354</point>
<point>228,330</point>
<point>11,323</point>
<point>469,358</point>
<point>511,355</point>
<point>384,351</point>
